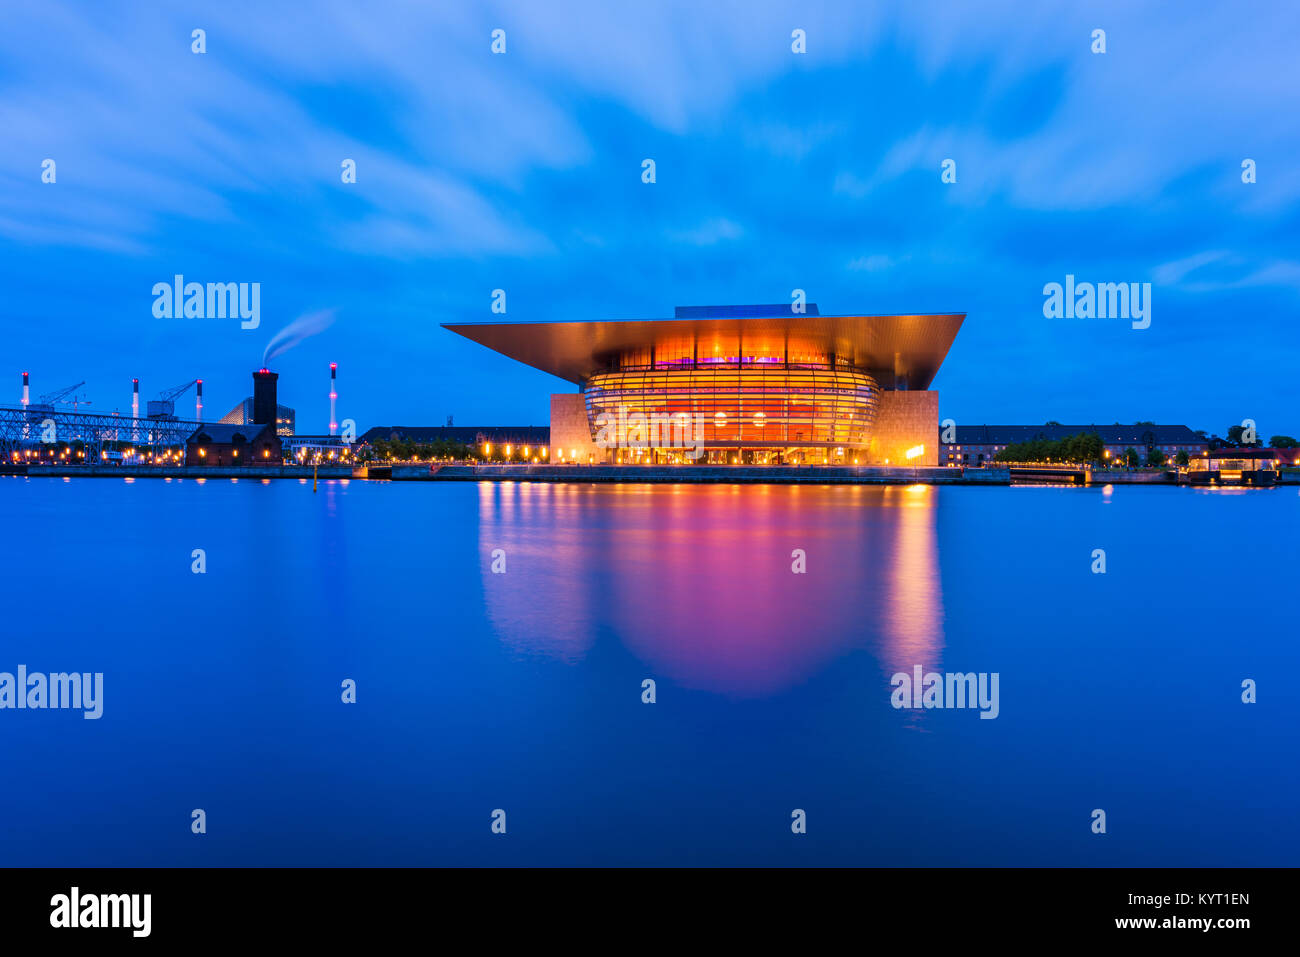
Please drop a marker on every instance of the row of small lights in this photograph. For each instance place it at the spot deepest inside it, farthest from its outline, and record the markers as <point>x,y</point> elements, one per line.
<point>103,455</point>
<point>542,453</point>
<point>915,452</point>
<point>159,457</point>
<point>63,455</point>
<point>302,454</point>
<point>203,453</point>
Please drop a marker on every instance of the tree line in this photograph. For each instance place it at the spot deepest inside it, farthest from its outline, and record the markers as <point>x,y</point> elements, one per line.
<point>1082,447</point>
<point>406,450</point>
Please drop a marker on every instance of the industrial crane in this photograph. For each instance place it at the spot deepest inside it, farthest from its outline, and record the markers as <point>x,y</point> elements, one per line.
<point>51,397</point>
<point>46,402</point>
<point>171,395</point>
<point>164,407</point>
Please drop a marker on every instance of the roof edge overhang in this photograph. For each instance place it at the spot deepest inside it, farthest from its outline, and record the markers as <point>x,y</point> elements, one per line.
<point>911,345</point>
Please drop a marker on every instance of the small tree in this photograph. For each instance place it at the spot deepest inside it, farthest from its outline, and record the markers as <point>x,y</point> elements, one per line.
<point>1236,436</point>
<point>1181,458</point>
<point>1283,442</point>
<point>1131,458</point>
<point>1155,458</point>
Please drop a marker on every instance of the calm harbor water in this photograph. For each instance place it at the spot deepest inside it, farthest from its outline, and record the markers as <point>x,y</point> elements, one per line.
<point>523,691</point>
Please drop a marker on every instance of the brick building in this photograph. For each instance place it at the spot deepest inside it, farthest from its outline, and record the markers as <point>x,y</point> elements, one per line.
<point>218,444</point>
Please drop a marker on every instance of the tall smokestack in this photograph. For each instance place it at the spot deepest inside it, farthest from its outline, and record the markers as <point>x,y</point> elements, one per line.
<point>135,409</point>
<point>27,396</point>
<point>198,402</point>
<point>334,395</point>
<point>264,402</point>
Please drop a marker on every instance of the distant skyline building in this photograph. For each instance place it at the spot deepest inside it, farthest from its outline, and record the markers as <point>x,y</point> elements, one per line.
<point>978,444</point>
<point>306,448</point>
<point>501,435</point>
<point>756,384</point>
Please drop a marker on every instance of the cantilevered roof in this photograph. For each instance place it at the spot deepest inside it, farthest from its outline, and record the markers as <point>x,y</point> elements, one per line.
<point>887,346</point>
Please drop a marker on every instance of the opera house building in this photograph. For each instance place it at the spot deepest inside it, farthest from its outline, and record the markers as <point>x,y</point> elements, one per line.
<point>750,385</point>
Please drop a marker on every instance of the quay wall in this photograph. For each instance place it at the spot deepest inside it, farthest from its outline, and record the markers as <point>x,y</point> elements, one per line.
<point>723,474</point>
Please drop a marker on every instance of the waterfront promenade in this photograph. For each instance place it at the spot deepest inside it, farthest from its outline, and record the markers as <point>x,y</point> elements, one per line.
<point>422,471</point>
<point>690,474</point>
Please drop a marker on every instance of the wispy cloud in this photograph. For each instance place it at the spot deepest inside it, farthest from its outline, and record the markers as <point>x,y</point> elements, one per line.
<point>877,262</point>
<point>776,171</point>
<point>707,233</point>
<point>1171,272</point>
<point>1219,270</point>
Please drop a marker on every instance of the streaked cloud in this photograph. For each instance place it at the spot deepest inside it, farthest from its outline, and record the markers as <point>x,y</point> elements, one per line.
<point>775,171</point>
<point>877,262</point>
<point>708,233</point>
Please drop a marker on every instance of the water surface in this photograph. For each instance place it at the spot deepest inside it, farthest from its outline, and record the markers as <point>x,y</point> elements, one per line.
<point>523,691</point>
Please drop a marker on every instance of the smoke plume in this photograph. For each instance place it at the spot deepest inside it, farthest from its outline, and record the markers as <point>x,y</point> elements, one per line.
<point>295,332</point>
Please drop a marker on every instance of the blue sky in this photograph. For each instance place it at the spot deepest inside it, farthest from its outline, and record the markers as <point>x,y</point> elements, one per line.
<point>775,171</point>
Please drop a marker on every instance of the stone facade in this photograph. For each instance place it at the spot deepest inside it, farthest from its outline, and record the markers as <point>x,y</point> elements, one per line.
<point>570,431</point>
<point>905,420</point>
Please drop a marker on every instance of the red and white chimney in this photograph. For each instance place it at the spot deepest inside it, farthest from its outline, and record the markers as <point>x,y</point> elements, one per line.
<point>135,409</point>
<point>198,401</point>
<point>334,395</point>
<point>27,396</point>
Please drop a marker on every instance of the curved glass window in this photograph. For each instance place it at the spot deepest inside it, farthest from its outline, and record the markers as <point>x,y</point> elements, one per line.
<point>749,407</point>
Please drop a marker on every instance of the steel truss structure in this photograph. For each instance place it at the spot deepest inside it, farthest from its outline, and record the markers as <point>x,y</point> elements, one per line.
<point>22,429</point>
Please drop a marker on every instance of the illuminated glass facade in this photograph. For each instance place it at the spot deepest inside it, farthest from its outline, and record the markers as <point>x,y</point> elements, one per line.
<point>752,411</point>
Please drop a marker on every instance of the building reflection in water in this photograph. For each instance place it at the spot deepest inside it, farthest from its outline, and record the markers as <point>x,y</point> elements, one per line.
<point>544,602</point>
<point>696,581</point>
